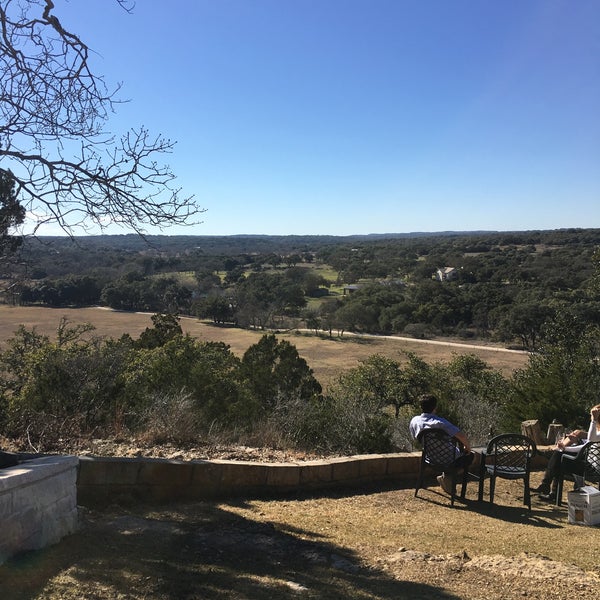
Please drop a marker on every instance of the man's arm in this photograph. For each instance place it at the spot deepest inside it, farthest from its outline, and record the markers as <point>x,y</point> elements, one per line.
<point>462,438</point>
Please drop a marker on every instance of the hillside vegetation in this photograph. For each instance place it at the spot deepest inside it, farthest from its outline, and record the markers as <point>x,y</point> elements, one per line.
<point>165,377</point>
<point>501,287</point>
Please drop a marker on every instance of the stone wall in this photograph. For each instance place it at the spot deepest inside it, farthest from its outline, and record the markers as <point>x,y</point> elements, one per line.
<point>103,481</point>
<point>106,480</point>
<point>38,498</point>
<point>38,503</point>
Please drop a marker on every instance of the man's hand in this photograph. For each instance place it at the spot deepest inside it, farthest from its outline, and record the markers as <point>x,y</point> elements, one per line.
<point>462,438</point>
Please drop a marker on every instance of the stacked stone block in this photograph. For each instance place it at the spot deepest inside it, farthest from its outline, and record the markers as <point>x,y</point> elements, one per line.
<point>38,504</point>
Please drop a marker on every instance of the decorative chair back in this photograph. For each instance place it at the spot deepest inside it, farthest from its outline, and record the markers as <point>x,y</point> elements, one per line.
<point>585,464</point>
<point>510,454</point>
<point>439,453</point>
<point>590,454</point>
<point>439,449</point>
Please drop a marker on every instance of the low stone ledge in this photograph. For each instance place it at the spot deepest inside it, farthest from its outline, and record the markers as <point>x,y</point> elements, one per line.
<point>105,480</point>
<point>207,476</point>
<point>167,473</point>
<point>345,469</point>
<point>372,466</point>
<point>108,471</point>
<point>403,466</point>
<point>283,476</point>
<point>316,473</point>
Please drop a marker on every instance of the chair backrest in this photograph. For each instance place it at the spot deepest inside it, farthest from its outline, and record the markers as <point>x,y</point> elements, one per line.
<point>511,452</point>
<point>439,449</point>
<point>590,455</point>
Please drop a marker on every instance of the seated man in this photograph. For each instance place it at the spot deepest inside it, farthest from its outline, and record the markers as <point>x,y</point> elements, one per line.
<point>428,419</point>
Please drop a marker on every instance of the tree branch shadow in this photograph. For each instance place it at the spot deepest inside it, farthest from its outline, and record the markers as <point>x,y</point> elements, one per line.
<point>198,550</point>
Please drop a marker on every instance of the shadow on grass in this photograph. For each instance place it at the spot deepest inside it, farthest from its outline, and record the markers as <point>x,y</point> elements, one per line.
<point>546,516</point>
<point>194,551</point>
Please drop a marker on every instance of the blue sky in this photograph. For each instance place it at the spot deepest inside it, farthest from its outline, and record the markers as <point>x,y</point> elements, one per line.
<point>363,116</point>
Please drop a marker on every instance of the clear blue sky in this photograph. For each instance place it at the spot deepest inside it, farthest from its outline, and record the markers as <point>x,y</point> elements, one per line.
<point>363,116</point>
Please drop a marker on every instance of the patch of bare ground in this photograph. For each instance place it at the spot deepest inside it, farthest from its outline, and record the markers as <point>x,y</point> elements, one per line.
<point>379,544</point>
<point>371,543</point>
<point>194,452</point>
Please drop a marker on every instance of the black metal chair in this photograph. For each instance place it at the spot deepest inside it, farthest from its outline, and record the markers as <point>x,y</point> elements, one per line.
<point>439,453</point>
<point>584,464</point>
<point>507,456</point>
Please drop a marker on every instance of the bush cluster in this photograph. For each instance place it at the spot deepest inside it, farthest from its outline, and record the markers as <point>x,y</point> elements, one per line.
<point>167,386</point>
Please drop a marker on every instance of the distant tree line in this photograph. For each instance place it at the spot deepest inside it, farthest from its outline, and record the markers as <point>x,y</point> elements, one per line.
<point>507,285</point>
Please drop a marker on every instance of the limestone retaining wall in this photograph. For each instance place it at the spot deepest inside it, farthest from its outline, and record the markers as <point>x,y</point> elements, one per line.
<point>105,480</point>
<point>38,498</point>
<point>38,503</point>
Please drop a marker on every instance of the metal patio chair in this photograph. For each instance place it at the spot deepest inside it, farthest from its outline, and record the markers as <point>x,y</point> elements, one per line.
<point>439,453</point>
<point>507,456</point>
<point>585,464</point>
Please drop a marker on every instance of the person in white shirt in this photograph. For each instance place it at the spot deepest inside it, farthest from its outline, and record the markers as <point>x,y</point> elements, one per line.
<point>571,443</point>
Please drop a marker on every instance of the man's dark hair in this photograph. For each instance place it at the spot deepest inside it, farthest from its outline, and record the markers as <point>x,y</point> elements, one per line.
<point>428,403</point>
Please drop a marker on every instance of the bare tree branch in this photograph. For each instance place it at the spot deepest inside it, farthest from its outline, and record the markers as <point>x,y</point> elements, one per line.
<point>53,137</point>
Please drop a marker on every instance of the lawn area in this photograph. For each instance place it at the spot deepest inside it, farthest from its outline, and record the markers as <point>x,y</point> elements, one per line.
<point>326,356</point>
<point>369,544</point>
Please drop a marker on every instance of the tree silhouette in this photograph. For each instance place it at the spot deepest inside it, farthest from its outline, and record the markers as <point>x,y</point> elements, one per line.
<point>68,168</point>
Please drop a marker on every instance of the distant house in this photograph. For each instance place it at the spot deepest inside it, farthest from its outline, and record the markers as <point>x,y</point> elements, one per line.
<point>446,274</point>
<point>350,288</point>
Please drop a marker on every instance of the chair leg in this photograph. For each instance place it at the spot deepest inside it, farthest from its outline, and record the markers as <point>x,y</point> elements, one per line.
<point>465,479</point>
<point>526,492</point>
<point>492,487</point>
<point>559,489</point>
<point>481,482</point>
<point>419,481</point>
<point>453,487</point>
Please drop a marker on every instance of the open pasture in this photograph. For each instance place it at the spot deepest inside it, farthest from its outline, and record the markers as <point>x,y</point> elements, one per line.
<point>327,357</point>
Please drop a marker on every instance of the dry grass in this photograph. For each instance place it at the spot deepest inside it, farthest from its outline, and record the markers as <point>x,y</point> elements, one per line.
<point>327,357</point>
<point>372,544</point>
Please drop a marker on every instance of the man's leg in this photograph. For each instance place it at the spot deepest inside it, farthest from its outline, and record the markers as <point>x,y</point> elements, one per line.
<point>549,483</point>
<point>464,461</point>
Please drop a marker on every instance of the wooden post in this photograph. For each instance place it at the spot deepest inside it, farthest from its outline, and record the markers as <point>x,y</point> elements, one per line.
<point>533,430</point>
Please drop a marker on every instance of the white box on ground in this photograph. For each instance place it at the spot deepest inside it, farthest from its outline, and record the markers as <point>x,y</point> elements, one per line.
<point>584,506</point>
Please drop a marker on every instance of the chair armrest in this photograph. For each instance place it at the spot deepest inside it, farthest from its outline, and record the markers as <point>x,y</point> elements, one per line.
<point>568,457</point>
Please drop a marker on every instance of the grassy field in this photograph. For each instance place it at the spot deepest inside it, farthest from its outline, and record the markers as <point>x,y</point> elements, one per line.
<point>380,544</point>
<point>327,357</point>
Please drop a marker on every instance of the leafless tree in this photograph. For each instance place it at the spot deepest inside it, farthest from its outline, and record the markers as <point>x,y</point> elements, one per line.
<point>54,113</point>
